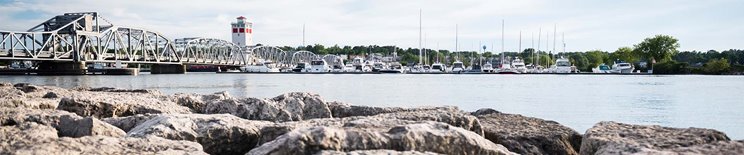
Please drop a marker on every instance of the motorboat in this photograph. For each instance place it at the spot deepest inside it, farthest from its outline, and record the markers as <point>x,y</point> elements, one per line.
<point>518,66</point>
<point>377,66</point>
<point>349,68</point>
<point>488,67</point>
<point>301,67</point>
<point>458,67</point>
<point>319,66</point>
<point>438,68</point>
<point>562,66</point>
<point>263,67</point>
<point>622,67</point>
<point>475,68</point>
<point>506,68</point>
<point>602,68</point>
<point>393,68</point>
<point>360,65</point>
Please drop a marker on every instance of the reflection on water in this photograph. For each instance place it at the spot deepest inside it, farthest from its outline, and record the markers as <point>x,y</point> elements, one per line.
<point>578,101</point>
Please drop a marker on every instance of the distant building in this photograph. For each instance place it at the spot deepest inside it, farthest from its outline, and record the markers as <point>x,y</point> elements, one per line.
<point>242,32</point>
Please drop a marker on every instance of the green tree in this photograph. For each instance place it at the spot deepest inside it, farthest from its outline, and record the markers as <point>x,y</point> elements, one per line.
<point>717,66</point>
<point>624,54</point>
<point>660,48</point>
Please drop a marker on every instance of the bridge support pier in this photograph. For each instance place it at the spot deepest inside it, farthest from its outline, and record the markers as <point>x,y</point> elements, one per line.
<point>61,68</point>
<point>167,69</point>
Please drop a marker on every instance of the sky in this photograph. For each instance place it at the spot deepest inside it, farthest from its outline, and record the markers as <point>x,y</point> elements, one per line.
<point>582,24</point>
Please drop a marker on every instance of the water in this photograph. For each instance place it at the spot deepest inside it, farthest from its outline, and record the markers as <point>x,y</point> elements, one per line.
<point>577,101</point>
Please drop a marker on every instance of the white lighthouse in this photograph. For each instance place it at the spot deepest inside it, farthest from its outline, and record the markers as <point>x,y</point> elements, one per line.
<point>242,32</point>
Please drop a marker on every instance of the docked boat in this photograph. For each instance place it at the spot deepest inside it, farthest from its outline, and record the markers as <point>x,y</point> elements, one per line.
<point>562,66</point>
<point>506,68</point>
<point>488,67</point>
<point>377,66</point>
<point>622,67</point>
<point>458,67</point>
<point>475,68</point>
<point>602,69</point>
<point>319,66</point>
<point>264,67</point>
<point>360,65</point>
<point>438,68</point>
<point>301,67</point>
<point>393,68</point>
<point>519,66</point>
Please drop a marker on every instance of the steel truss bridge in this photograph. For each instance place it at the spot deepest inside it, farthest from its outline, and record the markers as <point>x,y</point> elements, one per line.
<point>88,37</point>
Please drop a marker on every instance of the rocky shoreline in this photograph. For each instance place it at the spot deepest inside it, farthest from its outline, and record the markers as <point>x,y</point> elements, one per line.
<point>53,120</point>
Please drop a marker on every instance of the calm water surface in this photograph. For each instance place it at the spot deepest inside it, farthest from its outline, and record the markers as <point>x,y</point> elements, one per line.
<point>578,101</point>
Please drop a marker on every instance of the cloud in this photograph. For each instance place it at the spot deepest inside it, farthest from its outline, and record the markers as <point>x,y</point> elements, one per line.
<point>588,25</point>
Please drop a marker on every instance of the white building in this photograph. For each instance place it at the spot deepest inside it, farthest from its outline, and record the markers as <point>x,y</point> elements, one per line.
<point>242,32</point>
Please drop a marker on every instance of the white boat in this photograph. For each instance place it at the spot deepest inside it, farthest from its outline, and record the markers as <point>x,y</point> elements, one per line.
<point>506,68</point>
<point>458,67</point>
<point>438,68</point>
<point>301,67</point>
<point>393,68</point>
<point>622,67</point>
<point>377,66</point>
<point>264,67</point>
<point>488,67</point>
<point>602,69</point>
<point>474,68</point>
<point>518,66</point>
<point>360,65</point>
<point>349,68</point>
<point>319,66</point>
<point>562,65</point>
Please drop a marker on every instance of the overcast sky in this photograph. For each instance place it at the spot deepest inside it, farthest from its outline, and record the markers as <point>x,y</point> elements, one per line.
<point>587,24</point>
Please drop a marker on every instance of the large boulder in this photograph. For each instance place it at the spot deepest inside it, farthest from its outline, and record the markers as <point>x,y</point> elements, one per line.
<point>286,107</point>
<point>428,136</point>
<point>217,133</point>
<point>109,102</point>
<point>528,135</point>
<point>29,96</point>
<point>720,147</point>
<point>619,138</point>
<point>198,103</point>
<point>449,115</point>
<point>67,124</point>
<point>374,152</point>
<point>32,138</point>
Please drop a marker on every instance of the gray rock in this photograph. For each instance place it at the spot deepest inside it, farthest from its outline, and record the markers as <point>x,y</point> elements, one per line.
<point>374,152</point>
<point>720,147</point>
<point>528,135</point>
<point>484,111</point>
<point>67,124</point>
<point>129,122</point>
<point>198,103</point>
<point>13,97</point>
<point>217,133</point>
<point>32,138</point>
<point>286,107</point>
<point>430,136</point>
<point>449,115</point>
<point>619,138</point>
<point>120,103</point>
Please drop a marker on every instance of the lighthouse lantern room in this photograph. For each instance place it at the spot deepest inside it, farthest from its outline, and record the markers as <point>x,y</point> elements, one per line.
<point>242,32</point>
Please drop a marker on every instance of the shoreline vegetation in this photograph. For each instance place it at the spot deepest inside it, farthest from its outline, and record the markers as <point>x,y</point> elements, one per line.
<point>661,49</point>
<point>52,120</point>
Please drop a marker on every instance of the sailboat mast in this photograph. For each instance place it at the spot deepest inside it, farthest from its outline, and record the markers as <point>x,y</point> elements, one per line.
<point>420,50</point>
<point>539,41</point>
<point>563,39</point>
<point>555,29</point>
<point>520,41</point>
<point>532,37</point>
<point>457,55</point>
<point>502,42</point>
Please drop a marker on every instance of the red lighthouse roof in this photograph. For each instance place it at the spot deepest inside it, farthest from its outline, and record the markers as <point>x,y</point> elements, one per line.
<point>241,17</point>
